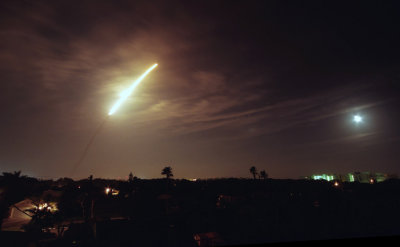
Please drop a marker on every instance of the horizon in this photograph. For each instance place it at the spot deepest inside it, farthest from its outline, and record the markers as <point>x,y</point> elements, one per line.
<point>302,177</point>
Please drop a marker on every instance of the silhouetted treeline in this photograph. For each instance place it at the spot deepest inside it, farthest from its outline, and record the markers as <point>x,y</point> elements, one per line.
<point>146,212</point>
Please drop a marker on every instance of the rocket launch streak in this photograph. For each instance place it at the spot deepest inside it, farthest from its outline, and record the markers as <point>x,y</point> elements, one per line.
<point>125,94</point>
<point>129,91</point>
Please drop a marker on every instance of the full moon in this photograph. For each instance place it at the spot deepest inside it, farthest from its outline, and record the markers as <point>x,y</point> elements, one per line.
<point>357,119</point>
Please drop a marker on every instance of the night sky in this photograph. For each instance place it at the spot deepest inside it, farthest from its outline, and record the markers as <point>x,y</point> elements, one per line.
<point>271,84</point>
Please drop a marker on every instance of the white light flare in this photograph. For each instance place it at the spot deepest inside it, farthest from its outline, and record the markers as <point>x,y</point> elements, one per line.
<point>126,93</point>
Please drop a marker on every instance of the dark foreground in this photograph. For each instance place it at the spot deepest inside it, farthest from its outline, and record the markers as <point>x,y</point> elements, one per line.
<point>207,212</point>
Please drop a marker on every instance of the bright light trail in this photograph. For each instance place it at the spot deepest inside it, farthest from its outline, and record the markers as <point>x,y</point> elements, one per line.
<point>123,96</point>
<point>126,93</point>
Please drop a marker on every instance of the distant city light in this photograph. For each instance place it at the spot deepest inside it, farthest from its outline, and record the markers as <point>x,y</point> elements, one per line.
<point>51,207</point>
<point>108,190</point>
<point>357,119</point>
<point>336,184</point>
<point>114,192</point>
<point>323,177</point>
<point>111,191</point>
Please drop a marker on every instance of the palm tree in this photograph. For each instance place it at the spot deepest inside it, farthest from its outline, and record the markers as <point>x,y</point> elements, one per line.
<point>263,174</point>
<point>130,178</point>
<point>167,171</point>
<point>253,171</point>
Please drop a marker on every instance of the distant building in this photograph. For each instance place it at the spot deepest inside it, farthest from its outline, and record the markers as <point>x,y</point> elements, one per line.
<point>361,177</point>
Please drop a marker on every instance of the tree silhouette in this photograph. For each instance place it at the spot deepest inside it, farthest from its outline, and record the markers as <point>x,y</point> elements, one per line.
<point>130,178</point>
<point>167,171</point>
<point>12,176</point>
<point>253,171</point>
<point>263,174</point>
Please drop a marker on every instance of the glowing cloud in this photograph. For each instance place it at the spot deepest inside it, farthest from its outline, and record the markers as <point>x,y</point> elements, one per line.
<point>126,93</point>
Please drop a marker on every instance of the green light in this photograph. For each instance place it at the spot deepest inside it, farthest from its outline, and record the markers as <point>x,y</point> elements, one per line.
<point>323,177</point>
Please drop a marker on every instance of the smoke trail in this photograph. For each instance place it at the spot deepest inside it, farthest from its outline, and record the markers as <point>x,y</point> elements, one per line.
<point>115,107</point>
<point>85,151</point>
